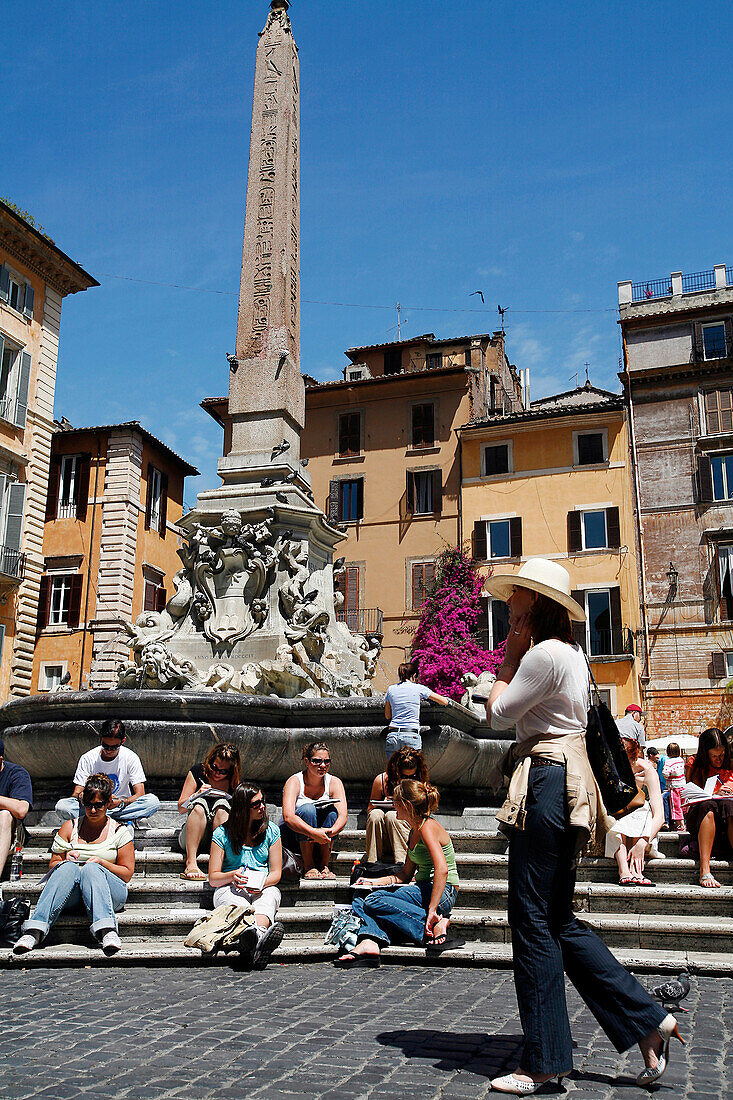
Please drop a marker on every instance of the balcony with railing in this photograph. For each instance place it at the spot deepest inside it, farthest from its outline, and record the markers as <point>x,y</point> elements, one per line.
<point>12,564</point>
<point>362,620</point>
<point>678,283</point>
<point>609,645</point>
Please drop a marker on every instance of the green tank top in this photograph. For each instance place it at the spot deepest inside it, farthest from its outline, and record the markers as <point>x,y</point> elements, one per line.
<point>422,859</point>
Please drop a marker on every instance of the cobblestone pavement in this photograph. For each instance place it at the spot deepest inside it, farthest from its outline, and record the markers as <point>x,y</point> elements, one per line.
<point>300,1031</point>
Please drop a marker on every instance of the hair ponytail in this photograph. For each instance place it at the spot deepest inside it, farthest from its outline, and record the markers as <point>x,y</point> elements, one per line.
<point>422,798</point>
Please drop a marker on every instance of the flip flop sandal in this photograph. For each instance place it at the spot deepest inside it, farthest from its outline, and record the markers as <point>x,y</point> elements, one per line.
<point>193,876</point>
<point>312,873</point>
<point>326,873</point>
<point>355,962</point>
<point>450,943</point>
<point>709,882</point>
<point>644,881</point>
<point>628,882</point>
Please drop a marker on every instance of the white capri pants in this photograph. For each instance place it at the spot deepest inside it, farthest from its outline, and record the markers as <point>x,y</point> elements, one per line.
<point>267,904</point>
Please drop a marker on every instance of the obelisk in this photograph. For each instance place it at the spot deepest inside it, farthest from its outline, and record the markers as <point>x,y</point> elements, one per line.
<point>266,390</point>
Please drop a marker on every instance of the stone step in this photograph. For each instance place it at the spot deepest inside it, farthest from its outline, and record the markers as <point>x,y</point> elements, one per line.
<point>473,866</point>
<point>689,900</point>
<point>706,945</point>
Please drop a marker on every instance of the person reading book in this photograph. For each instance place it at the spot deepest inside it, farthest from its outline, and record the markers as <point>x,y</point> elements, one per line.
<point>384,830</point>
<point>314,811</point>
<point>421,910</point>
<point>205,797</point>
<point>710,818</point>
<point>245,866</point>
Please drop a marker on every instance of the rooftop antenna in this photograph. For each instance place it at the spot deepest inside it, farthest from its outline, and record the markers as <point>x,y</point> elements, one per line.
<point>501,318</point>
<point>400,322</point>
<point>587,379</point>
<point>577,384</point>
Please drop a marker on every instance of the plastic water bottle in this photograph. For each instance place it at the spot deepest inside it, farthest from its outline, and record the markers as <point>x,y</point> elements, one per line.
<point>16,865</point>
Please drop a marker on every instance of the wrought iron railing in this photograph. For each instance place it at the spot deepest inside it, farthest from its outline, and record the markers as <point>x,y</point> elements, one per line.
<point>692,283</point>
<point>611,643</point>
<point>12,563</point>
<point>698,280</point>
<point>654,288</point>
<point>7,408</point>
<point>362,620</point>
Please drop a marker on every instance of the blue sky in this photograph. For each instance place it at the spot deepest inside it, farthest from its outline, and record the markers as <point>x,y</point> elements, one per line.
<point>538,151</point>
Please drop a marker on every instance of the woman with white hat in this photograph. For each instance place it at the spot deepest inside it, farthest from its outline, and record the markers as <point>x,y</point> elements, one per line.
<point>553,809</point>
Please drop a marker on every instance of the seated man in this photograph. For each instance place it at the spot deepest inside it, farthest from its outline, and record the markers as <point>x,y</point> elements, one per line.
<point>129,801</point>
<point>16,799</point>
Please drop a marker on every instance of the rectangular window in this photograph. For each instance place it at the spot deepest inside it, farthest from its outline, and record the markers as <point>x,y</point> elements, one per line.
<point>594,530</point>
<point>591,448</point>
<point>499,539</point>
<point>725,581</point>
<point>351,500</point>
<point>355,375</point>
<point>722,471</point>
<point>423,425</point>
<point>8,380</point>
<point>68,484</point>
<point>59,601</point>
<point>713,341</point>
<point>496,459</point>
<point>156,503</point>
<point>16,294</point>
<point>393,361</point>
<point>498,623</point>
<point>728,655</point>
<point>719,411</point>
<point>423,492</point>
<point>52,677</point>
<point>598,610</point>
<point>423,577</point>
<point>349,434</point>
<point>157,483</point>
<point>154,597</point>
<point>433,360</point>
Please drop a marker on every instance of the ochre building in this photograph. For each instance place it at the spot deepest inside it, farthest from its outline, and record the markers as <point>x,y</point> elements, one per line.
<point>35,277</point>
<point>110,542</point>
<point>553,481</point>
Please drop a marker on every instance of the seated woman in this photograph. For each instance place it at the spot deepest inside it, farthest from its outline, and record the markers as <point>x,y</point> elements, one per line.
<point>245,867</point>
<point>420,911</point>
<point>205,797</point>
<point>630,838</point>
<point>314,811</point>
<point>711,818</point>
<point>383,829</point>
<point>92,860</point>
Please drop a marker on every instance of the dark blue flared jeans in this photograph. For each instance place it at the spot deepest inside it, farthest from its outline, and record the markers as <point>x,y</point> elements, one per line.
<point>549,941</point>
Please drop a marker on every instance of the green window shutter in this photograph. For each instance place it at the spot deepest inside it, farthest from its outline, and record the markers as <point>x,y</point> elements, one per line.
<point>4,283</point>
<point>575,540</point>
<point>613,527</point>
<point>30,297</point>
<point>24,379</point>
<point>14,519</point>
<point>480,546</point>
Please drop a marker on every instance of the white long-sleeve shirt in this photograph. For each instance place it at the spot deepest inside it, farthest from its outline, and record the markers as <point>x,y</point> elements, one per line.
<point>548,694</point>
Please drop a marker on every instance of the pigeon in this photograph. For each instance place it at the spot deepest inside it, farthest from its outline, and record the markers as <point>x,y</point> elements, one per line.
<point>278,449</point>
<point>233,363</point>
<point>281,497</point>
<point>268,481</point>
<point>670,993</point>
<point>477,292</point>
<point>291,476</point>
<point>304,461</point>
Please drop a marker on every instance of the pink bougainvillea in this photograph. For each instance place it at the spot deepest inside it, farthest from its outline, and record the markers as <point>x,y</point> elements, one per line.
<point>445,643</point>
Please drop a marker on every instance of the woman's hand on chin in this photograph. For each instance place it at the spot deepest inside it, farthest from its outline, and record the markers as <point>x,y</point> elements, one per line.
<point>518,640</point>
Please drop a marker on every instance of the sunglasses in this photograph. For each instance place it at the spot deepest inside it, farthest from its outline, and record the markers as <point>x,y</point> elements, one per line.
<point>220,771</point>
<point>110,748</point>
<point>321,763</point>
<point>95,805</point>
<point>256,803</point>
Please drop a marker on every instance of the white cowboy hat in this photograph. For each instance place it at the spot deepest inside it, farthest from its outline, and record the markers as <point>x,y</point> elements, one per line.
<point>539,575</point>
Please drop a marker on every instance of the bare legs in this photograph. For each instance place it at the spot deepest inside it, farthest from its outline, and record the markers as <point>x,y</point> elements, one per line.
<point>195,829</point>
<point>6,835</point>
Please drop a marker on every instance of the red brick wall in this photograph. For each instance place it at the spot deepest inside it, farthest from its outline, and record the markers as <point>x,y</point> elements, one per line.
<point>670,713</point>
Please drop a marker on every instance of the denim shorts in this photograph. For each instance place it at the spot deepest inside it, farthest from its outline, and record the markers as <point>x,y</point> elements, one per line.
<point>398,739</point>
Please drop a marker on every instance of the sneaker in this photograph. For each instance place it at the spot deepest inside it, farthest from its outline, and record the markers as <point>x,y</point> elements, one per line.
<point>269,941</point>
<point>247,945</point>
<point>25,944</point>
<point>111,943</point>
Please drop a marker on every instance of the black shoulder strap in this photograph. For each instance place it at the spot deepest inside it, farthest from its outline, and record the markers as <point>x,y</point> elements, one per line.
<point>592,680</point>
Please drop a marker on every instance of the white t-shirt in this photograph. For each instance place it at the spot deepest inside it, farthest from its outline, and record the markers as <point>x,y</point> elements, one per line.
<point>405,699</point>
<point>548,695</point>
<point>124,771</point>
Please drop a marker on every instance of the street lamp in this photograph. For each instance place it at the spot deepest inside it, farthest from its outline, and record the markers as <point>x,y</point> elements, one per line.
<point>672,576</point>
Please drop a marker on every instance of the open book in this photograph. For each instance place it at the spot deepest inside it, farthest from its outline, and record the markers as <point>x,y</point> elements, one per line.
<point>692,793</point>
<point>326,803</point>
<point>253,880</point>
<point>382,803</point>
<point>205,792</point>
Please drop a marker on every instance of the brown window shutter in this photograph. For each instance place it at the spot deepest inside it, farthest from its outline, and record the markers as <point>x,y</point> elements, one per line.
<point>718,664</point>
<point>333,502</point>
<point>149,497</point>
<point>575,539</point>
<point>423,578</point>
<point>75,600</point>
<point>52,499</point>
<point>410,491</point>
<point>360,499</point>
<point>698,351</point>
<point>515,536</point>
<point>725,400</point>
<point>704,480</point>
<point>613,528</point>
<point>160,600</point>
<point>351,588</point>
<point>43,603</point>
<point>429,576</point>
<point>82,486</point>
<point>579,628</point>
<point>437,491</point>
<point>163,504</point>
<point>149,600</point>
<point>712,416</point>
<point>479,548</point>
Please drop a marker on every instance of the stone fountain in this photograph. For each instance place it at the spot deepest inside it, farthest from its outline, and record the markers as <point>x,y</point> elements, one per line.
<point>249,647</point>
